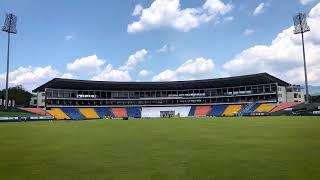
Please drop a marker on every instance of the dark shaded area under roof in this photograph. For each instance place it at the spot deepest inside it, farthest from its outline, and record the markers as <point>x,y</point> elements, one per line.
<point>253,79</point>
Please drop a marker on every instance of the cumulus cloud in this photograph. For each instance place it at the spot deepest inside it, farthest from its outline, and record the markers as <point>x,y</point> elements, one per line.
<point>306,2</point>
<point>29,76</point>
<point>166,48</point>
<point>259,9</point>
<point>68,76</point>
<point>248,32</point>
<point>216,7</point>
<point>134,59</point>
<point>106,73</point>
<point>111,74</point>
<point>191,69</point>
<point>168,13</point>
<point>86,64</point>
<point>137,10</point>
<point>89,64</point>
<point>229,18</point>
<point>144,73</point>
<point>283,57</point>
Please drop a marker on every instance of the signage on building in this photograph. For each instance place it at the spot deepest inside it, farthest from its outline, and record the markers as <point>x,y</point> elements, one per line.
<point>187,95</point>
<point>86,96</point>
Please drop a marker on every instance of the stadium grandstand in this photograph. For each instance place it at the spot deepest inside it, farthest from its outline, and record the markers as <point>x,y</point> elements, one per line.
<point>256,94</point>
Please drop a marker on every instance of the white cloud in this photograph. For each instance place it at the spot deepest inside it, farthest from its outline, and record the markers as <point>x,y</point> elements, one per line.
<point>191,69</point>
<point>305,2</point>
<point>68,76</point>
<point>168,13</point>
<point>283,57</point>
<point>216,7</point>
<point>248,32</point>
<point>137,10</point>
<point>166,48</point>
<point>134,59</point>
<point>94,66</point>
<point>111,74</point>
<point>29,77</point>
<point>89,64</point>
<point>229,18</point>
<point>69,37</point>
<point>259,9</point>
<point>144,73</point>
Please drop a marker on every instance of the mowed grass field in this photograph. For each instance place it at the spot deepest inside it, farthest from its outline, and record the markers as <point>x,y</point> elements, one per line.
<point>208,148</point>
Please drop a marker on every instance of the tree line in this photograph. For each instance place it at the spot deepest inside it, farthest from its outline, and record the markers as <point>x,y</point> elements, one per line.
<point>315,99</point>
<point>19,94</point>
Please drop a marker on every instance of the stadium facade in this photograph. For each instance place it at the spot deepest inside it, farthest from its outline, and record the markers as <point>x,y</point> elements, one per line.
<point>79,99</point>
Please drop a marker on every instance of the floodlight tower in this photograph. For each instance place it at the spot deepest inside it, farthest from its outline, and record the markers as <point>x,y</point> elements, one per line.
<point>301,26</point>
<point>10,28</point>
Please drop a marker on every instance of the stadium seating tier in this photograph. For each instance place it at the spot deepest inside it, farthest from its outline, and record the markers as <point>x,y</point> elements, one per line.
<point>102,112</point>
<point>119,112</point>
<point>58,114</point>
<point>38,111</point>
<point>285,106</point>
<point>192,110</point>
<point>217,110</point>
<point>89,113</point>
<point>134,112</point>
<point>73,113</point>
<point>202,111</point>
<point>154,112</point>
<point>248,109</point>
<point>232,110</point>
<point>264,108</point>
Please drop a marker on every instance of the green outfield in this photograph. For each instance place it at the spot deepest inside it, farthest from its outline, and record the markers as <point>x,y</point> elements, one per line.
<point>209,148</point>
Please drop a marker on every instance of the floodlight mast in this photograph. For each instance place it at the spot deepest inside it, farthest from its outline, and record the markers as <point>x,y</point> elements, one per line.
<point>301,26</point>
<point>10,28</point>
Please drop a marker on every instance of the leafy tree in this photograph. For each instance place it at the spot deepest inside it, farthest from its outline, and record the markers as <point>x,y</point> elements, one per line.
<point>315,99</point>
<point>19,94</point>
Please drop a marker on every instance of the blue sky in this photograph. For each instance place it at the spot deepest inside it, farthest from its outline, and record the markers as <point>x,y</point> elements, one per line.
<point>197,39</point>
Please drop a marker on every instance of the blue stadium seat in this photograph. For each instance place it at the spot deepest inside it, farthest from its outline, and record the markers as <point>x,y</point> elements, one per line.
<point>73,113</point>
<point>192,110</point>
<point>134,112</point>
<point>217,110</point>
<point>244,109</point>
<point>256,105</point>
<point>248,109</point>
<point>102,112</point>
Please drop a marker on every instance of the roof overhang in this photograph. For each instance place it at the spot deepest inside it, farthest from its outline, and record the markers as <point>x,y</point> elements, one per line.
<point>253,79</point>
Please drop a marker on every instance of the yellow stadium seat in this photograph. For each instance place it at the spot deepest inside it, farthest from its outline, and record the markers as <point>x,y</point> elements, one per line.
<point>89,113</point>
<point>264,108</point>
<point>232,110</point>
<point>57,113</point>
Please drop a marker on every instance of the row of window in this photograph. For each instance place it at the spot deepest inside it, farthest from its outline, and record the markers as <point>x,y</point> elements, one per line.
<point>295,95</point>
<point>291,89</point>
<point>260,89</point>
<point>53,102</point>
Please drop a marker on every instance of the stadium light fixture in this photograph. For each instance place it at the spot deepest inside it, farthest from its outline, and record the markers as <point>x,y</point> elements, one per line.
<point>301,27</point>
<point>9,27</point>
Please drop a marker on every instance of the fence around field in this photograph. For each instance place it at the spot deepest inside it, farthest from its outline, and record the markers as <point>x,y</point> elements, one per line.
<point>18,119</point>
